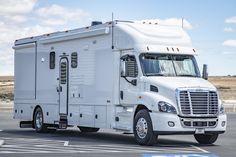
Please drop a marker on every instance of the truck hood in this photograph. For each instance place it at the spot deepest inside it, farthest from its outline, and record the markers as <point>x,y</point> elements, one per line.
<point>172,83</point>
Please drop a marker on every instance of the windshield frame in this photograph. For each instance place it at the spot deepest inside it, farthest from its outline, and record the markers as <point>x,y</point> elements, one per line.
<point>196,69</point>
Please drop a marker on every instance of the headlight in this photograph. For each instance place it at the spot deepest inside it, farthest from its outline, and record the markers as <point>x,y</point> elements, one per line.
<point>222,109</point>
<point>166,107</point>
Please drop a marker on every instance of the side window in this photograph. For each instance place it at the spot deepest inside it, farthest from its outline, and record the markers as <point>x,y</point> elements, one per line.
<point>74,60</point>
<point>129,66</point>
<point>52,59</point>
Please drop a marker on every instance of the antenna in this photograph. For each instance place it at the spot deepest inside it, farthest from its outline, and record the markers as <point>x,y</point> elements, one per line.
<point>182,20</point>
<point>112,27</point>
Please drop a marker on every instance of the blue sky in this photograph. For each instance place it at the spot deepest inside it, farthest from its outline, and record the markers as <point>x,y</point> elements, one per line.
<point>212,23</point>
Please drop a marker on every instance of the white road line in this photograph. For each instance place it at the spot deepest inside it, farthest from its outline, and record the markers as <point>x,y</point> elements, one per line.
<point>203,150</point>
<point>27,145</point>
<point>35,149</point>
<point>1,143</point>
<point>66,143</point>
<point>30,139</point>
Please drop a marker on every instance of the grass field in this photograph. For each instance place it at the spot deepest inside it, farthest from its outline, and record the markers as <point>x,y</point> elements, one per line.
<point>225,84</point>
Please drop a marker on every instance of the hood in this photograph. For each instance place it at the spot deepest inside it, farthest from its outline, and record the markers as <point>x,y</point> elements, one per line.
<point>173,83</point>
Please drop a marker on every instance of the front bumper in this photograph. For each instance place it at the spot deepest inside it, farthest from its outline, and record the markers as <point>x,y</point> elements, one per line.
<point>160,122</point>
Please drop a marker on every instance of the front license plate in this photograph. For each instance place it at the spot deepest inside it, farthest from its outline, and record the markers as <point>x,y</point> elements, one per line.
<point>200,131</point>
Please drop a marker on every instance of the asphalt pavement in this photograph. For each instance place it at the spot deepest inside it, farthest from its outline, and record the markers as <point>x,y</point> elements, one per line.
<point>106,143</point>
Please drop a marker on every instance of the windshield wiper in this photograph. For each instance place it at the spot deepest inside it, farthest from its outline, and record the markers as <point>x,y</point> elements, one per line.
<point>188,75</point>
<point>154,74</point>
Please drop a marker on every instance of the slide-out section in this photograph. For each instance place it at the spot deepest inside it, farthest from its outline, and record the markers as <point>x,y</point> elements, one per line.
<point>25,66</point>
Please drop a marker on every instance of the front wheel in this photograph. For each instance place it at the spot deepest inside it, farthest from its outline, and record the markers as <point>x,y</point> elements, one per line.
<point>143,130</point>
<point>206,138</point>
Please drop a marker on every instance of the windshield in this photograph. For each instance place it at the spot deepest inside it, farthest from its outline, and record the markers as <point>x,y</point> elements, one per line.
<point>169,65</point>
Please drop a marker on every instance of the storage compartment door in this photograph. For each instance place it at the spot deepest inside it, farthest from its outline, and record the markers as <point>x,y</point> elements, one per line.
<point>100,116</point>
<point>86,116</point>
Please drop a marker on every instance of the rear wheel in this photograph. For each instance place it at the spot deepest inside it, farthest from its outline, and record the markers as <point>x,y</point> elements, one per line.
<point>143,130</point>
<point>88,129</point>
<point>206,138</point>
<point>38,121</point>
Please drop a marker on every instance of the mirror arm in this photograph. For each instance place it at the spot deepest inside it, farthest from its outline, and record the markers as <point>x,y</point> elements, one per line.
<point>133,82</point>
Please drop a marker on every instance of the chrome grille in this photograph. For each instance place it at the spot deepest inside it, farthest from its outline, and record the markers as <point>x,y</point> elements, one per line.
<point>198,102</point>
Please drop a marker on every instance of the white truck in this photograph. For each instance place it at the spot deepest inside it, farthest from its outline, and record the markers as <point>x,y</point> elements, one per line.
<point>133,77</point>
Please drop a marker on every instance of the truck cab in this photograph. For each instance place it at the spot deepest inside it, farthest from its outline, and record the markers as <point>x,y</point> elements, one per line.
<point>162,77</point>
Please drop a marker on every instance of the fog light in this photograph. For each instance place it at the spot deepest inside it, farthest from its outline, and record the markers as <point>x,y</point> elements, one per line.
<point>223,124</point>
<point>171,124</point>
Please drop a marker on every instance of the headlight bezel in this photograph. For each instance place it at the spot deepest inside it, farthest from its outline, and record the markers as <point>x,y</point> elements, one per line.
<point>222,109</point>
<point>166,107</point>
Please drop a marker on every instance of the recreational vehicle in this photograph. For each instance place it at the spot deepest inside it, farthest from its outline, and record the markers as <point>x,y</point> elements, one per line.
<point>133,77</point>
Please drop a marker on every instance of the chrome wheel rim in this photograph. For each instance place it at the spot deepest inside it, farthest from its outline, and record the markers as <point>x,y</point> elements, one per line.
<point>39,120</point>
<point>142,128</point>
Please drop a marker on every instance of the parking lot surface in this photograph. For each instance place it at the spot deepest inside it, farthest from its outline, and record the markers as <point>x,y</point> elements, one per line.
<point>25,142</point>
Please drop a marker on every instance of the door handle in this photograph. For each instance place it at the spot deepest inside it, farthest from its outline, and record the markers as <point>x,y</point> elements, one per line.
<point>59,89</point>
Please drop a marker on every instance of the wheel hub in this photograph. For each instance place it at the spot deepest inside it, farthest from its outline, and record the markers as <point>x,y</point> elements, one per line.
<point>39,120</point>
<point>142,128</point>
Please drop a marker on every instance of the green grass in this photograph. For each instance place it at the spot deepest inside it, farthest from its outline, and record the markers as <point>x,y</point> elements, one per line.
<point>223,88</point>
<point>7,97</point>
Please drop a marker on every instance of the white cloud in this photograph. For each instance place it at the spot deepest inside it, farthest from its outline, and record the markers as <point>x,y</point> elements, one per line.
<point>14,11</point>
<point>16,6</point>
<point>18,19</point>
<point>228,52</point>
<point>6,54</point>
<point>229,43</point>
<point>58,15</point>
<point>170,22</point>
<point>228,29</point>
<point>231,19</point>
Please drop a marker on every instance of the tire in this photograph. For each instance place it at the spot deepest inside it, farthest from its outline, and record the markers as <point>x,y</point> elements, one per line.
<point>143,130</point>
<point>39,121</point>
<point>88,129</point>
<point>206,138</point>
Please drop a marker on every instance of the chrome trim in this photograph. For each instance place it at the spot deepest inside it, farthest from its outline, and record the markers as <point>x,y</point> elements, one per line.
<point>189,102</point>
<point>208,120</point>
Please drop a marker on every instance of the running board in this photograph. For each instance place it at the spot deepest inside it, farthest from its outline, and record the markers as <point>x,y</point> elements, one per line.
<point>122,129</point>
<point>26,124</point>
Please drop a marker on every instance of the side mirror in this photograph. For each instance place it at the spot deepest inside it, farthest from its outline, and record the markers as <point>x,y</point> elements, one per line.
<point>205,72</point>
<point>124,72</point>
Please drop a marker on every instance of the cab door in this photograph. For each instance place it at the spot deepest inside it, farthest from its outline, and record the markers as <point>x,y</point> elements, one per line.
<point>128,79</point>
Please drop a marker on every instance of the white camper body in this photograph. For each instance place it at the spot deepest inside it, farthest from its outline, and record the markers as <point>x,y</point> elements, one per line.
<point>95,77</point>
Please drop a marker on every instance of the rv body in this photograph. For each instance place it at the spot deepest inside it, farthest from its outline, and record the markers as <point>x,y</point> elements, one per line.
<point>132,77</point>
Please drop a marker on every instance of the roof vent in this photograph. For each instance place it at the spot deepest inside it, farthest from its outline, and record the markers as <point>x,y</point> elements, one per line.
<point>96,23</point>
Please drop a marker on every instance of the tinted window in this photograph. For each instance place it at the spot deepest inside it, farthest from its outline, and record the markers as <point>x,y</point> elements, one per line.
<point>52,58</point>
<point>74,60</point>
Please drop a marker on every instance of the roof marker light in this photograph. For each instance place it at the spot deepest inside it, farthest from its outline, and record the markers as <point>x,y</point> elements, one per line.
<point>150,23</point>
<point>177,49</point>
<point>143,22</point>
<point>147,48</point>
<point>194,50</point>
<point>156,23</point>
<point>167,48</point>
<point>173,49</point>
